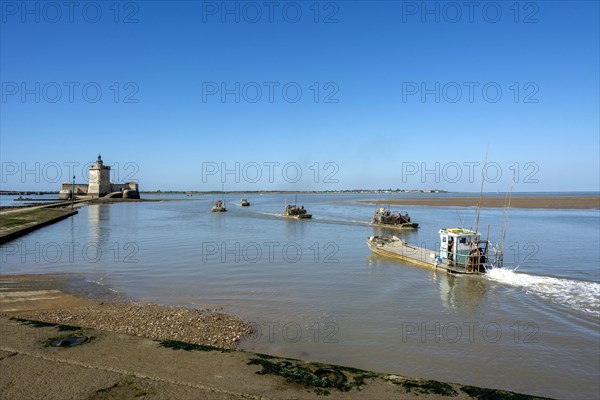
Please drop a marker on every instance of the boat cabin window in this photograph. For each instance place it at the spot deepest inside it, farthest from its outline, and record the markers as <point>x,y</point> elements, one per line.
<point>444,239</point>
<point>462,240</point>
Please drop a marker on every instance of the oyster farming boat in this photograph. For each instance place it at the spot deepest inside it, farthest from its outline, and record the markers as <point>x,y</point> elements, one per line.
<point>292,211</point>
<point>218,207</point>
<point>392,219</point>
<point>461,251</point>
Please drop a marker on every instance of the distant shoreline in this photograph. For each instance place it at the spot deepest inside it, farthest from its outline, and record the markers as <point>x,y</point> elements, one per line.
<point>425,192</point>
<point>432,198</point>
<point>340,191</point>
<point>159,192</point>
<point>544,202</point>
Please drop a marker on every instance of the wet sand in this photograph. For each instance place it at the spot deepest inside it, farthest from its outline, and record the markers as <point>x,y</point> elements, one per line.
<point>543,202</point>
<point>112,363</point>
<point>42,298</point>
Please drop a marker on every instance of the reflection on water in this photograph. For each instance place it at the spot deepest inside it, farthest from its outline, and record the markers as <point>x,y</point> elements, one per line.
<point>94,216</point>
<point>461,291</point>
<point>353,307</point>
<point>409,235</point>
<point>455,291</point>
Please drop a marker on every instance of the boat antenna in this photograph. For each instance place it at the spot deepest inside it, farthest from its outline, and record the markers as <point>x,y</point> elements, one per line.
<point>481,191</point>
<point>223,194</point>
<point>462,221</point>
<point>505,222</point>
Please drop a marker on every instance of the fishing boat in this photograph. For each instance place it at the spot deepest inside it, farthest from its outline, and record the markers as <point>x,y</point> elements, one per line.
<point>392,219</point>
<point>461,251</point>
<point>218,207</point>
<point>244,203</point>
<point>293,211</point>
<point>220,204</point>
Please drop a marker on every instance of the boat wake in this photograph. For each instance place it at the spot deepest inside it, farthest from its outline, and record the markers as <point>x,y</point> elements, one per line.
<point>271,214</point>
<point>340,222</point>
<point>580,295</point>
<point>321,219</point>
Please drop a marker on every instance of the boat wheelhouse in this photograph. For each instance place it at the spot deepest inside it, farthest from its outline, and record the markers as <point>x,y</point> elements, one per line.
<point>463,250</point>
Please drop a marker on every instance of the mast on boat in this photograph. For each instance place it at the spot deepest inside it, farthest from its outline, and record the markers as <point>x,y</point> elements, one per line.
<point>508,198</point>
<point>481,192</point>
<point>477,251</point>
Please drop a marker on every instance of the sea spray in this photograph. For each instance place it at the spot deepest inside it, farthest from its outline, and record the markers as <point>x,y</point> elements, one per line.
<point>576,294</point>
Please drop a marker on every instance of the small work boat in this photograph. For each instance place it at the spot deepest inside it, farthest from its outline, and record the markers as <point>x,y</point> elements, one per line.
<point>218,207</point>
<point>292,211</point>
<point>244,203</point>
<point>392,219</point>
<point>220,204</point>
<point>461,251</point>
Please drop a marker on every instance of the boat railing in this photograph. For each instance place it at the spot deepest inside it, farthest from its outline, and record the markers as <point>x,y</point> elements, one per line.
<point>474,260</point>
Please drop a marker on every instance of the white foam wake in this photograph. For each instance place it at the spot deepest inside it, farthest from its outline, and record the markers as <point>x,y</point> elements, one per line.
<point>580,295</point>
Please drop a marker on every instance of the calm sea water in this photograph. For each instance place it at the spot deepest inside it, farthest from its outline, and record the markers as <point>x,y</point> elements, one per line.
<point>313,290</point>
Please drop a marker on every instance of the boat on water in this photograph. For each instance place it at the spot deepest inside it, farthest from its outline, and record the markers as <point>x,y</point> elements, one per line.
<point>244,203</point>
<point>219,207</point>
<point>292,211</point>
<point>220,204</point>
<point>392,219</point>
<point>461,251</point>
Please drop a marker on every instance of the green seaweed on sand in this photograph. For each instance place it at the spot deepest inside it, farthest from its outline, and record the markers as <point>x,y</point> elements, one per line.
<point>313,375</point>
<point>495,394</point>
<point>268,357</point>
<point>177,345</point>
<point>358,380</point>
<point>42,324</point>
<point>322,392</point>
<point>358,375</point>
<point>291,371</point>
<point>427,387</point>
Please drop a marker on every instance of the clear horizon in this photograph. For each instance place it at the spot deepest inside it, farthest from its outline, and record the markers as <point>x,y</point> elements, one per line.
<point>424,191</point>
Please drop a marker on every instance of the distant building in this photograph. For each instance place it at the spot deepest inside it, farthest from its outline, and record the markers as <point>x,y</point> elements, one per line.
<point>100,185</point>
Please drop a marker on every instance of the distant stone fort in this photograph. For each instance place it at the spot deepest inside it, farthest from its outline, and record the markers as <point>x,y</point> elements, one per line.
<point>100,185</point>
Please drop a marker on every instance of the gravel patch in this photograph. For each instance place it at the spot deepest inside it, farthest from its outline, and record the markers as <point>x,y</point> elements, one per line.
<point>152,321</point>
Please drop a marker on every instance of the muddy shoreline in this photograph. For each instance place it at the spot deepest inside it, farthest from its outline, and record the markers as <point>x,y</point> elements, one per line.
<point>132,350</point>
<point>540,202</point>
<point>46,298</point>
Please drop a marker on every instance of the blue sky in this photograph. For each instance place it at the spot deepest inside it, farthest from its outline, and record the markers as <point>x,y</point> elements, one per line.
<point>408,95</point>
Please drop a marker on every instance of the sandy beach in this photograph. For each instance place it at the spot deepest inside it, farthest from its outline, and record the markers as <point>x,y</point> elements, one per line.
<point>542,202</point>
